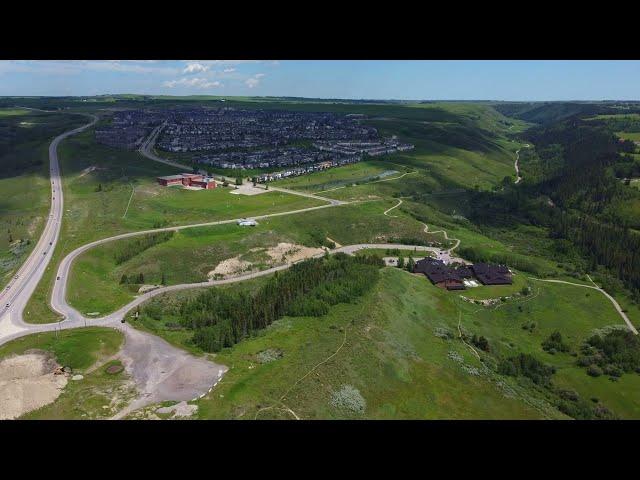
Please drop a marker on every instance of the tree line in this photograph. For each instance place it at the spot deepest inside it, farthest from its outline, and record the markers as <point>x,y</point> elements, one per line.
<point>220,318</point>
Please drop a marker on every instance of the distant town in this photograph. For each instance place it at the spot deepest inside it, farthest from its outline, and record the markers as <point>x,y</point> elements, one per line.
<point>229,138</point>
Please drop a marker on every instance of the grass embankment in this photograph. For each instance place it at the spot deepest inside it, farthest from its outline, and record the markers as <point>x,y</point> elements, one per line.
<point>399,347</point>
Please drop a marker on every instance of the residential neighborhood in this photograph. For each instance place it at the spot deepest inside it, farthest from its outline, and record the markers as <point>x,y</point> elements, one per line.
<point>230,138</point>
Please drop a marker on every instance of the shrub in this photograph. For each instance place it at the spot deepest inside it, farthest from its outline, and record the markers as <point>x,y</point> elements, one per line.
<point>526,365</point>
<point>481,342</point>
<point>554,343</point>
<point>348,398</point>
<point>594,370</point>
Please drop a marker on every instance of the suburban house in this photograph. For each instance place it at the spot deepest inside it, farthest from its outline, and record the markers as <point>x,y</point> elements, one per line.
<point>188,180</point>
<point>454,278</point>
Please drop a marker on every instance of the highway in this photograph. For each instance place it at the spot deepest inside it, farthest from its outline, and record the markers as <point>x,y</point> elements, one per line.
<point>16,294</point>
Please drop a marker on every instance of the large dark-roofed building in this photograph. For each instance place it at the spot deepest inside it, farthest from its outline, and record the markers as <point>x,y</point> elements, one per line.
<point>492,274</point>
<point>441,274</point>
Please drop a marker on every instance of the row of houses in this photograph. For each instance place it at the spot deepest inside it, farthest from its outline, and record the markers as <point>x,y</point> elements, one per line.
<point>316,167</point>
<point>455,277</point>
<point>279,157</point>
<point>372,148</point>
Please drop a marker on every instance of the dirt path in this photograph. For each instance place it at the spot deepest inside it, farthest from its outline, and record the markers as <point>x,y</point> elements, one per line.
<point>517,167</point>
<point>313,369</point>
<point>386,212</point>
<point>133,190</point>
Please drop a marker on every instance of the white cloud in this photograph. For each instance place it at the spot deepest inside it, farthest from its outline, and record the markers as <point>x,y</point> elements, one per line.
<point>73,67</point>
<point>195,68</point>
<point>254,81</point>
<point>127,66</point>
<point>194,82</point>
<point>229,70</point>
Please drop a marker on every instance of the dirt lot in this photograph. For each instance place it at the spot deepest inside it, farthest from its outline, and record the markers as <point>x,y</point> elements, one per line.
<point>27,382</point>
<point>278,255</point>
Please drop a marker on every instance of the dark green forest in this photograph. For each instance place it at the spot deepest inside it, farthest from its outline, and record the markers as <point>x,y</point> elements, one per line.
<point>575,195</point>
<point>220,318</point>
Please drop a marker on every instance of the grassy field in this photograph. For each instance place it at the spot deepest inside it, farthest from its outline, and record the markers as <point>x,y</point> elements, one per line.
<point>343,176</point>
<point>399,347</point>
<point>78,348</point>
<point>634,136</point>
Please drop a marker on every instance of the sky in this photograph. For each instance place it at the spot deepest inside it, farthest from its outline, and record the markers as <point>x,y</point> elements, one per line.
<point>347,79</point>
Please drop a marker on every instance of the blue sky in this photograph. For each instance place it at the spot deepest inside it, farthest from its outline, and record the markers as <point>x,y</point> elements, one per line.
<point>370,79</point>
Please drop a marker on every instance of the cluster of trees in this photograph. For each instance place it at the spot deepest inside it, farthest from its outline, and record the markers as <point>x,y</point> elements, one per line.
<point>554,343</point>
<point>220,318</point>
<point>132,278</point>
<point>481,342</point>
<point>612,354</point>
<point>407,265</point>
<point>583,215</point>
<point>612,246</point>
<point>138,279</point>
<point>571,404</point>
<point>130,248</point>
<point>526,365</point>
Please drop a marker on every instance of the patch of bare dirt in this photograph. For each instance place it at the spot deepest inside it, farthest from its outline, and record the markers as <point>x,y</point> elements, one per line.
<point>332,240</point>
<point>148,288</point>
<point>280,254</point>
<point>230,267</point>
<point>28,382</point>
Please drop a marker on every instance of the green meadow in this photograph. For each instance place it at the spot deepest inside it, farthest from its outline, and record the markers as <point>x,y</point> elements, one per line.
<point>399,346</point>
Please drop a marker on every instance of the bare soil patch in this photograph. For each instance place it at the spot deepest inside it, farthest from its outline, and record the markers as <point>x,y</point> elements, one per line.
<point>280,254</point>
<point>28,382</point>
